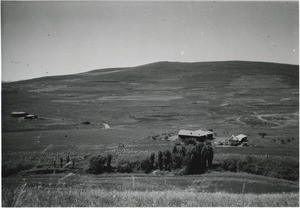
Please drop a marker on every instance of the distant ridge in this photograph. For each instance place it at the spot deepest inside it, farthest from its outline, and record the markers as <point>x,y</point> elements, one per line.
<point>159,64</point>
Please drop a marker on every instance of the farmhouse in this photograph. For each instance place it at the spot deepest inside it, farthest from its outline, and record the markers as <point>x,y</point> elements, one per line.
<point>199,135</point>
<point>237,140</point>
<point>18,114</point>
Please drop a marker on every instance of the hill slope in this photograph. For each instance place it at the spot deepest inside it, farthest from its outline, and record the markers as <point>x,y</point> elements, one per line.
<point>235,97</point>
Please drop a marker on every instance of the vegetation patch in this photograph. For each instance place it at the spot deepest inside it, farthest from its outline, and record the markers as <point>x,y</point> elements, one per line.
<point>282,167</point>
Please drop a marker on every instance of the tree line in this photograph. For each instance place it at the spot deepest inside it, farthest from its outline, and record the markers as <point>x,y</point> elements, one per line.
<point>192,160</point>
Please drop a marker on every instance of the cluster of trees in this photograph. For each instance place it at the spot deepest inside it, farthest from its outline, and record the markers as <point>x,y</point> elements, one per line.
<point>194,160</point>
<point>100,164</point>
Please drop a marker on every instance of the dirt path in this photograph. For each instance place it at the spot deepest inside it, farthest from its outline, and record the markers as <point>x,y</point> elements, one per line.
<point>267,121</point>
<point>238,120</point>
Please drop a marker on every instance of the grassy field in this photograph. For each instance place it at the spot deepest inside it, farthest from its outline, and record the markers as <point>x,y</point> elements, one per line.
<point>212,189</point>
<point>39,197</point>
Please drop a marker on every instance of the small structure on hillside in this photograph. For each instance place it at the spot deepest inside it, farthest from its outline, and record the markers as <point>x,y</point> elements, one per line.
<point>18,114</point>
<point>31,116</point>
<point>237,140</point>
<point>86,122</point>
<point>199,135</point>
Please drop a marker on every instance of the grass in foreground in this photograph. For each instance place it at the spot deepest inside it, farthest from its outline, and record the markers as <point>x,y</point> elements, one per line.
<point>48,197</point>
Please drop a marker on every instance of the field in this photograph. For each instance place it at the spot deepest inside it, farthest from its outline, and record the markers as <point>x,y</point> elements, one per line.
<point>103,198</point>
<point>128,106</point>
<point>213,189</point>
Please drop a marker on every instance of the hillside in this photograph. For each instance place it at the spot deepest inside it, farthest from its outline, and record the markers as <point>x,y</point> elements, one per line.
<point>238,96</point>
<point>88,114</point>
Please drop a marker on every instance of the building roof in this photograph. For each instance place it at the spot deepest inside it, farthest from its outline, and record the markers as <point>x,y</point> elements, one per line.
<point>30,116</point>
<point>241,136</point>
<point>197,133</point>
<point>237,138</point>
<point>17,113</point>
<point>233,138</point>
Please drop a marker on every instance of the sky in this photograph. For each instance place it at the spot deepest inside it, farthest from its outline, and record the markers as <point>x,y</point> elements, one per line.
<point>53,38</point>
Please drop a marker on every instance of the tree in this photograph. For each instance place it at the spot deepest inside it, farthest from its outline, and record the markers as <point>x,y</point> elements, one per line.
<point>97,164</point>
<point>182,151</point>
<point>167,160</point>
<point>160,160</point>
<point>262,135</point>
<point>61,162</point>
<point>208,153</point>
<point>108,162</point>
<point>196,161</point>
<point>152,159</point>
<point>146,165</point>
<point>177,161</point>
<point>174,151</point>
<point>68,158</point>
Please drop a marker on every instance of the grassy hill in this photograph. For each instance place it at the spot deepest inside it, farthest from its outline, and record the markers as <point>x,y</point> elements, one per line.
<point>138,102</point>
<point>234,97</point>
